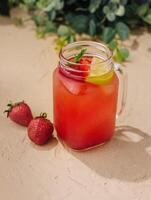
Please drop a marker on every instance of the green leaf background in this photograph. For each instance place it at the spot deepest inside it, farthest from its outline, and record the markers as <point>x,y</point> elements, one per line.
<point>107,20</point>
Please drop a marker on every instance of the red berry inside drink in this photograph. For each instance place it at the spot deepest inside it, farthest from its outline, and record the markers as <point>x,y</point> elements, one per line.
<point>85,100</point>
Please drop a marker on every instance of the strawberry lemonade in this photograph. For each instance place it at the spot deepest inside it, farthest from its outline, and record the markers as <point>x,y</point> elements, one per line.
<point>85,89</point>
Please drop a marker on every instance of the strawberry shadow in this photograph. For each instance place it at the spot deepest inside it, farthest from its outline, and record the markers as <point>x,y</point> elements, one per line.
<point>47,147</point>
<point>126,157</point>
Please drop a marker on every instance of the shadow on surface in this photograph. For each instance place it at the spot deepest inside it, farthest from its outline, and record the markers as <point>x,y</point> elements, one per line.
<point>126,157</point>
<point>47,147</point>
<point>149,49</point>
<point>5,20</point>
<point>138,32</point>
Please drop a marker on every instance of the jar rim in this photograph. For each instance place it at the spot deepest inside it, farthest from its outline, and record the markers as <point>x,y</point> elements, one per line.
<point>100,50</point>
<point>96,45</point>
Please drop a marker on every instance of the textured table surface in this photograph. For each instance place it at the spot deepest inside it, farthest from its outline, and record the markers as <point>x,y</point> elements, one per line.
<point>118,170</point>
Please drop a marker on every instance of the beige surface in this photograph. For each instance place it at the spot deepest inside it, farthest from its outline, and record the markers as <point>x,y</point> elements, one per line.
<point>119,170</point>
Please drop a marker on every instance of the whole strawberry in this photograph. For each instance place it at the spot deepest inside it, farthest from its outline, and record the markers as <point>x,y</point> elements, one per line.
<point>19,112</point>
<point>40,129</point>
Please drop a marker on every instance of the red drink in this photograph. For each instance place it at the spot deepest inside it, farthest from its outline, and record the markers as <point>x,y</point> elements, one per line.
<point>84,112</point>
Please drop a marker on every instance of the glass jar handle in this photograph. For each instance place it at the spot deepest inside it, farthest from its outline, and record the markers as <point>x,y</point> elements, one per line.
<point>122,76</point>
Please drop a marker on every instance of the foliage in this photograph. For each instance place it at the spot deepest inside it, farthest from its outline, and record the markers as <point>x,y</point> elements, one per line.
<point>120,54</point>
<point>104,19</point>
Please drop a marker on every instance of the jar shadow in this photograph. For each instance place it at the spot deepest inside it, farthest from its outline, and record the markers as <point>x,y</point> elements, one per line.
<point>126,157</point>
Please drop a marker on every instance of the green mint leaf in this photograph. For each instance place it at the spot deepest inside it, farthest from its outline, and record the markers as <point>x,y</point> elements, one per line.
<point>63,30</point>
<point>142,10</point>
<point>94,5</point>
<point>71,38</point>
<point>111,16</point>
<point>60,42</point>
<point>39,20</point>
<point>121,55</point>
<point>80,23</point>
<point>113,44</point>
<point>92,27</point>
<point>117,56</point>
<point>122,30</point>
<point>79,56</point>
<point>108,34</point>
<point>50,27</point>
<point>120,11</point>
<point>147,19</point>
<point>124,53</point>
<point>40,32</point>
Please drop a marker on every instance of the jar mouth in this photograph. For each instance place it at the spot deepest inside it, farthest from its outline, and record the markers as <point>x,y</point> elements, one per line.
<point>93,49</point>
<point>64,59</point>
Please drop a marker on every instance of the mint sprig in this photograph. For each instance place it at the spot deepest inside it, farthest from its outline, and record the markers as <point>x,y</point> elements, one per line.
<point>78,57</point>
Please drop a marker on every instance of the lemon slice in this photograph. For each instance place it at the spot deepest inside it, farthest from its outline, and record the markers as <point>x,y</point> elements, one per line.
<point>99,73</point>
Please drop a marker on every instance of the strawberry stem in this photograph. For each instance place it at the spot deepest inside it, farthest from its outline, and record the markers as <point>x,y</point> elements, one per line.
<point>7,111</point>
<point>10,106</point>
<point>44,115</point>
